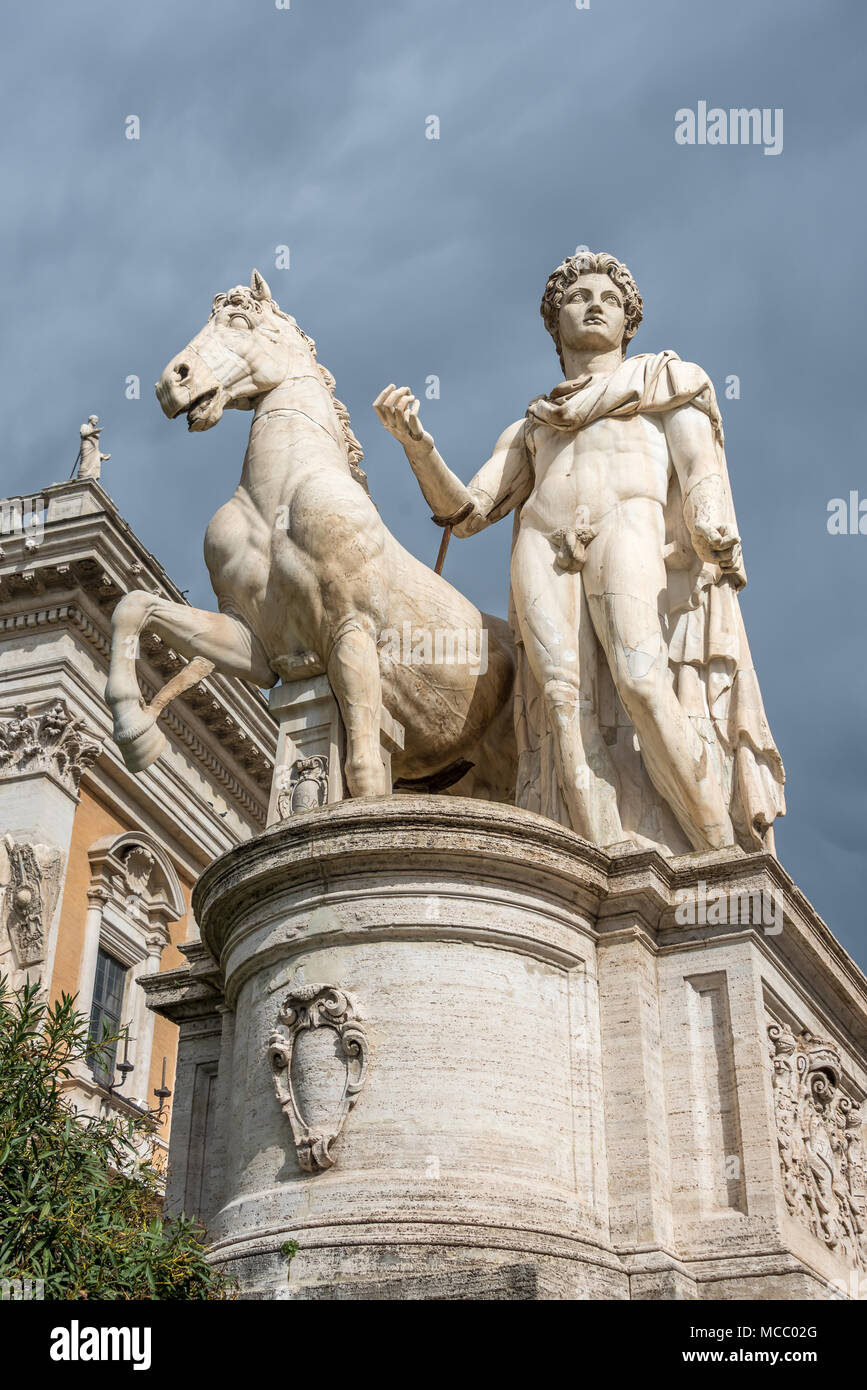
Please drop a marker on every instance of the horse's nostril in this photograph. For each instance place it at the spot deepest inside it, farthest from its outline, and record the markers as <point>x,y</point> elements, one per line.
<point>182,371</point>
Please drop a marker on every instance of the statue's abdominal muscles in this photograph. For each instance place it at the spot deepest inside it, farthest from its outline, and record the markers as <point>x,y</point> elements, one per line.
<point>581,477</point>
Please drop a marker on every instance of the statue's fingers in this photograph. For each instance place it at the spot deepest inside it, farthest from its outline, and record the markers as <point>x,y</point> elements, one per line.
<point>395,396</point>
<point>380,400</point>
<point>416,428</point>
<point>730,539</point>
<point>389,420</point>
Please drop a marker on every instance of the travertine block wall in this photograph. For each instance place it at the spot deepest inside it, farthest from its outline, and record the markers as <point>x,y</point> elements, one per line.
<point>425,1037</point>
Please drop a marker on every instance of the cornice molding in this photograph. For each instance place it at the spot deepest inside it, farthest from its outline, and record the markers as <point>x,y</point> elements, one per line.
<point>88,557</point>
<point>71,614</point>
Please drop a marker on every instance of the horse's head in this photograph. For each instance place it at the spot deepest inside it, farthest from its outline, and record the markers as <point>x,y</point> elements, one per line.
<point>244,349</point>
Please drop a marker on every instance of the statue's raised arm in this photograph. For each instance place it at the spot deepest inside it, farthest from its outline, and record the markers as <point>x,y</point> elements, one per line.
<point>500,484</point>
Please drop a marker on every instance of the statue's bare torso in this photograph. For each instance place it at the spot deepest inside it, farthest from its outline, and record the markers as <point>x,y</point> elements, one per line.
<point>594,470</point>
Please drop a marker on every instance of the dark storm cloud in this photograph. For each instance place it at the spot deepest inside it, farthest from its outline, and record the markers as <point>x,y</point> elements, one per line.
<point>412,257</point>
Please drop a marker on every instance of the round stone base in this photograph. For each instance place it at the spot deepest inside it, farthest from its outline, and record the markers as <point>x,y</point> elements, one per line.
<point>414,1081</point>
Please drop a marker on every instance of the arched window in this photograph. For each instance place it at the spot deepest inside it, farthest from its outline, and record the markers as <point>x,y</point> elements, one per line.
<point>134,894</point>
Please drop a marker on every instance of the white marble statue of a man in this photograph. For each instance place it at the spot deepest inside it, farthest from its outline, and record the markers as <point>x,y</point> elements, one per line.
<point>90,459</point>
<point>637,710</point>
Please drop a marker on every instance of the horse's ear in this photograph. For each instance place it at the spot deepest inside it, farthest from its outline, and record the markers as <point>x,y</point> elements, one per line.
<point>259,286</point>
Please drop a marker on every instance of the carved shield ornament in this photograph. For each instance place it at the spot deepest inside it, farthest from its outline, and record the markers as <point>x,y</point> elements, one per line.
<point>318,1055</point>
<point>306,786</point>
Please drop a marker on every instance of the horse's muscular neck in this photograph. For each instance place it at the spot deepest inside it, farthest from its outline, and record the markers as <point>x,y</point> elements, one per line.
<point>303,403</point>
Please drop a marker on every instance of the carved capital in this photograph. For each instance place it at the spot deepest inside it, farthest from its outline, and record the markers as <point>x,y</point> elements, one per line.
<point>97,896</point>
<point>309,1065</point>
<point>51,741</point>
<point>156,941</point>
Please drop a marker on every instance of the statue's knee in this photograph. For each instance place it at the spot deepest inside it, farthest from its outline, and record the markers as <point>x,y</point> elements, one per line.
<point>132,609</point>
<point>565,704</point>
<point>558,692</point>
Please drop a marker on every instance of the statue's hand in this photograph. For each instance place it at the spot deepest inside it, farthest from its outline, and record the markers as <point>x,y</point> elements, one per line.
<point>397,408</point>
<point>718,545</point>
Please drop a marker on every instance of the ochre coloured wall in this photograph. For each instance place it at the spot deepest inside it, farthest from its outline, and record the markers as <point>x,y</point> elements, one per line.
<point>94,820</point>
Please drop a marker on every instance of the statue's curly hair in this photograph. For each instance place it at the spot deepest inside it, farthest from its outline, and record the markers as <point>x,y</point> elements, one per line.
<point>590,263</point>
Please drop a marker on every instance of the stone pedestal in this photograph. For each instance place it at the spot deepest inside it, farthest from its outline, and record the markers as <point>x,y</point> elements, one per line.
<point>311,747</point>
<point>453,1051</point>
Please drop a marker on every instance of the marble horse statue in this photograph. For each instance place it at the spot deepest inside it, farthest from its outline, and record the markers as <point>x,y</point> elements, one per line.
<point>309,580</point>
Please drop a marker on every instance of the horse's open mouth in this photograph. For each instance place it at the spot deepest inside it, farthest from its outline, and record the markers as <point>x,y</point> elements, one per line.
<point>199,413</point>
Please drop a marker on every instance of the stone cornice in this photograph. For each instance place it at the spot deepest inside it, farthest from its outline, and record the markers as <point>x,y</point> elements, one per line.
<point>86,559</point>
<point>201,702</point>
<point>176,995</point>
<point>632,895</point>
<point>352,836</point>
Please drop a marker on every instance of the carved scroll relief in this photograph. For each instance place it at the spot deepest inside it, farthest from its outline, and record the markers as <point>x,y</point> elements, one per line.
<point>819,1134</point>
<point>318,1054</point>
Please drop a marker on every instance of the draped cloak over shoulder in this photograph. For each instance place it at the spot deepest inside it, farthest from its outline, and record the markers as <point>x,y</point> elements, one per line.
<point>709,657</point>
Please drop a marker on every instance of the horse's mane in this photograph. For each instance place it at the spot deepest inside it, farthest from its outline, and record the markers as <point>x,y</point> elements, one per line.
<point>354,453</point>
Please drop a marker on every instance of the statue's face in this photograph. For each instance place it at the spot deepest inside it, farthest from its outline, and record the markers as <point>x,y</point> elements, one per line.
<point>592,316</point>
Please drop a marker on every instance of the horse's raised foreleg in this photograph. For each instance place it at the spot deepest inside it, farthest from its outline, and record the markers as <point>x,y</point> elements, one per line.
<point>208,639</point>
<point>353,671</point>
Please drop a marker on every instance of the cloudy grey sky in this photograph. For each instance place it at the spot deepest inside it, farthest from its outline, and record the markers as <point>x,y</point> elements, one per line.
<point>409,257</point>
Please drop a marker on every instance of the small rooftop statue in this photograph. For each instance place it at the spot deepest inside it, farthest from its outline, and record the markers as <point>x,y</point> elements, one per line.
<point>90,460</point>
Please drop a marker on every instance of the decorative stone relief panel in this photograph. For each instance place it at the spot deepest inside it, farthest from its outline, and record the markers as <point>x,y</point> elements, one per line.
<point>819,1132</point>
<point>29,884</point>
<point>318,1054</point>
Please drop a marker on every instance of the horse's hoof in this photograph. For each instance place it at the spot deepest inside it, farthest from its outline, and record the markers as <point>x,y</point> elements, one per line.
<point>141,748</point>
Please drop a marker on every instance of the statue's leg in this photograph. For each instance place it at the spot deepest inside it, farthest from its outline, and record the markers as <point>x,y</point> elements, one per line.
<point>225,641</point>
<point>353,670</point>
<point>558,641</point>
<point>626,585</point>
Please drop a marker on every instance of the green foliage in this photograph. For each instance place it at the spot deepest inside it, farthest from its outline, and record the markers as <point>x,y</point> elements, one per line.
<point>80,1206</point>
<point>289,1249</point>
